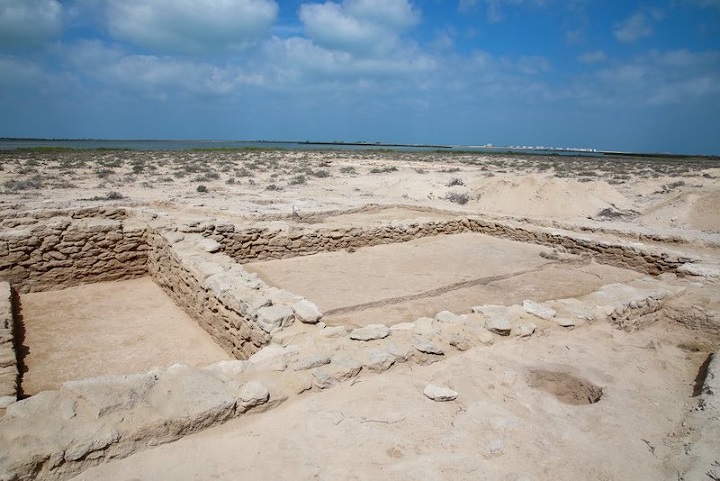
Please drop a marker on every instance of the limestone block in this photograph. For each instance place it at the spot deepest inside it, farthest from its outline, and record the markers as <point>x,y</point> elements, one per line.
<point>370,332</point>
<point>439,393</point>
<point>538,310</point>
<point>109,394</point>
<point>274,317</point>
<point>306,312</point>
<point>254,393</point>
<point>449,317</point>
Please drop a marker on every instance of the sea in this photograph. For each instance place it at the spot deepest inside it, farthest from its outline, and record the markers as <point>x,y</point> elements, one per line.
<point>179,145</point>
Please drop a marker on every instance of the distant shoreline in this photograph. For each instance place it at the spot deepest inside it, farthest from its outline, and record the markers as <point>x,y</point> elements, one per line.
<point>28,143</point>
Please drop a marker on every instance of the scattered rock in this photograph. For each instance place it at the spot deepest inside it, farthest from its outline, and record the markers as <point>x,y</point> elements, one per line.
<point>425,326</point>
<point>274,317</point>
<point>335,331</point>
<point>344,368</point>
<point>370,333</point>
<point>524,330</point>
<point>306,312</point>
<point>565,322</point>
<point>449,317</point>
<point>312,362</point>
<point>424,345</point>
<point>539,310</point>
<point>378,361</point>
<point>439,394</point>
<point>322,378</point>
<point>210,245</point>
<point>253,394</point>
<point>498,325</point>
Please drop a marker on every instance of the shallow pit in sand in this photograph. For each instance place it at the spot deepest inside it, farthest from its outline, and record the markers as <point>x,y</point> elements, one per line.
<point>394,283</point>
<point>107,328</point>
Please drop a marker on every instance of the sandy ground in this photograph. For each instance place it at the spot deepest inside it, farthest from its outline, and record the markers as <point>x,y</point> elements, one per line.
<point>108,328</point>
<point>508,422</point>
<point>499,428</point>
<point>396,283</point>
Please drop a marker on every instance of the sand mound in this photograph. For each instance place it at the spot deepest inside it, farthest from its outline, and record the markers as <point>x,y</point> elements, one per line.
<point>689,209</point>
<point>535,195</point>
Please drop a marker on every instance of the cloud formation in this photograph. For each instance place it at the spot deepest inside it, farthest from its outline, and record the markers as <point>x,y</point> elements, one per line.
<point>360,27</point>
<point>191,26</point>
<point>633,28</point>
<point>25,23</point>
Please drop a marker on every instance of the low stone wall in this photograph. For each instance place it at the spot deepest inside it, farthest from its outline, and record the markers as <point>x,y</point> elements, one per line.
<point>8,358</point>
<point>277,243</point>
<point>62,252</point>
<point>235,307</point>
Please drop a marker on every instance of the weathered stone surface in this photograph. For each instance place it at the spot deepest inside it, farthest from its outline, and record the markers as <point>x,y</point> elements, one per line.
<point>439,393</point>
<point>425,326</point>
<point>210,245</point>
<point>312,361</point>
<point>449,317</point>
<point>539,310</point>
<point>109,394</point>
<point>306,312</point>
<point>333,331</point>
<point>370,332</point>
<point>273,357</point>
<point>344,368</point>
<point>377,361</point>
<point>253,394</point>
<point>498,325</point>
<point>524,330</point>
<point>274,317</point>
<point>322,378</point>
<point>428,347</point>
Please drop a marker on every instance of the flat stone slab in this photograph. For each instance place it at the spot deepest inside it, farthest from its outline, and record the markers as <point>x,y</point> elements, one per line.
<point>370,333</point>
<point>439,393</point>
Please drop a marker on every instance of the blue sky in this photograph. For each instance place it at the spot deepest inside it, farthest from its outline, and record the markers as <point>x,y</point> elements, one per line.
<point>617,75</point>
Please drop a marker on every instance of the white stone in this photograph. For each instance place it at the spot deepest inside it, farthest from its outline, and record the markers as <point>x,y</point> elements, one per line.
<point>306,312</point>
<point>539,310</point>
<point>498,325</point>
<point>210,245</point>
<point>253,393</point>
<point>449,317</point>
<point>423,345</point>
<point>322,378</point>
<point>439,394</point>
<point>370,332</point>
<point>524,330</point>
<point>274,317</point>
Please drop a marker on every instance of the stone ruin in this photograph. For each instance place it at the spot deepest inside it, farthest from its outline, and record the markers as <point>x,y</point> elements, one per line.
<point>279,341</point>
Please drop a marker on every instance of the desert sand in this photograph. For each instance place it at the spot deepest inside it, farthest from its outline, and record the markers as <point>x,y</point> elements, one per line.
<point>522,409</point>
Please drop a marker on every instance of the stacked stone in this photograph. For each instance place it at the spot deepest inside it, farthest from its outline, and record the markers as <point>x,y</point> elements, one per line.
<point>276,243</point>
<point>236,308</point>
<point>8,359</point>
<point>62,252</point>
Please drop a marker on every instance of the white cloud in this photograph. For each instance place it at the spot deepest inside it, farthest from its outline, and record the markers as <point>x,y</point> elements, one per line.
<point>161,77</point>
<point>494,8</point>
<point>29,22</point>
<point>191,26</point>
<point>362,27</point>
<point>597,56</point>
<point>656,78</point>
<point>633,28</point>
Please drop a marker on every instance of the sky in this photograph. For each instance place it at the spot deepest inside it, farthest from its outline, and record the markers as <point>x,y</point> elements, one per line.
<point>605,74</point>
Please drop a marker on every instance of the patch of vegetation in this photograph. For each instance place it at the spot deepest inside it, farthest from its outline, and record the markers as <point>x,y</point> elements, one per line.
<point>298,180</point>
<point>112,195</point>
<point>458,198</point>
<point>348,169</point>
<point>450,170</point>
<point>320,173</point>
<point>383,170</point>
<point>201,189</point>
<point>34,182</point>
<point>455,181</point>
<point>273,187</point>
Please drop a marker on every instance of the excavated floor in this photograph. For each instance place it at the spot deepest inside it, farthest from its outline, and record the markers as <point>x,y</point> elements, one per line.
<point>394,283</point>
<point>107,328</point>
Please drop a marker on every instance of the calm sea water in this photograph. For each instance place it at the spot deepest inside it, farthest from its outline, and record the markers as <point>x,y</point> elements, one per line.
<point>177,145</point>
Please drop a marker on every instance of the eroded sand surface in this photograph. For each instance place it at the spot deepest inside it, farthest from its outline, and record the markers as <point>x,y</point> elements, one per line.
<point>108,328</point>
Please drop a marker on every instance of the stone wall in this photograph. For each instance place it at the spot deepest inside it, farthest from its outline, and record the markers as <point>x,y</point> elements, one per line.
<point>235,307</point>
<point>276,243</point>
<point>62,252</point>
<point>8,358</point>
